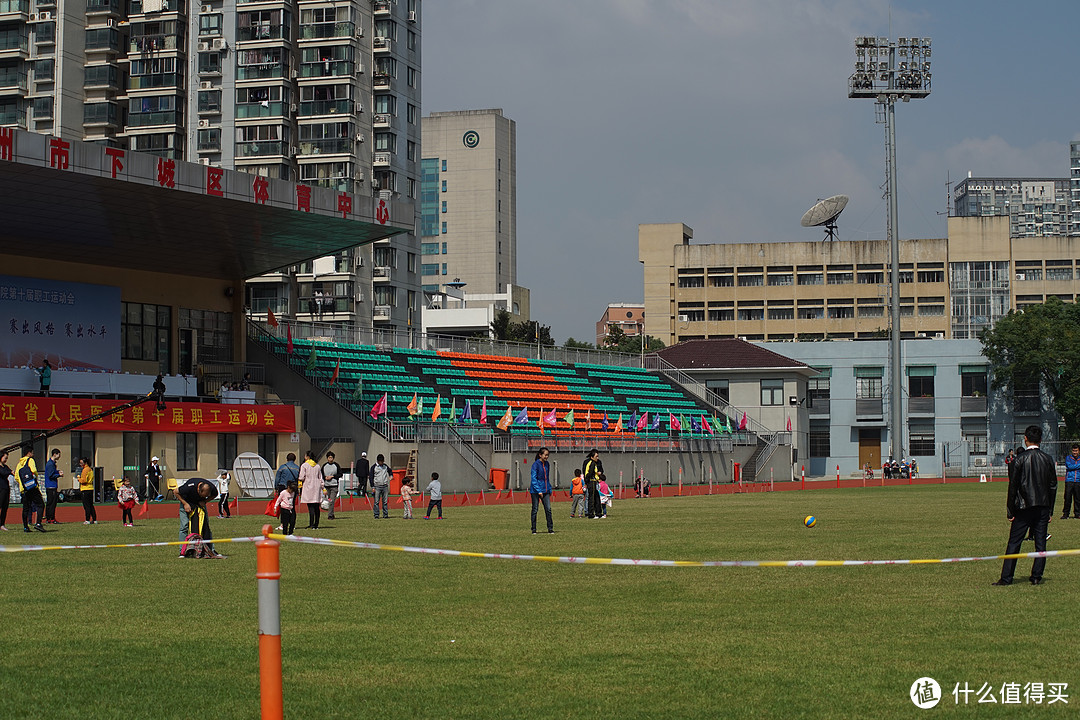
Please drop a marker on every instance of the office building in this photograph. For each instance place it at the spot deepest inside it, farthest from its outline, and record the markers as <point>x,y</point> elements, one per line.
<point>950,287</point>
<point>628,317</point>
<point>1035,206</point>
<point>323,94</point>
<point>468,204</point>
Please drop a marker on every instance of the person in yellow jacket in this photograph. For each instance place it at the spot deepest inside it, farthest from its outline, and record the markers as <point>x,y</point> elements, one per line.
<point>86,489</point>
<point>29,487</point>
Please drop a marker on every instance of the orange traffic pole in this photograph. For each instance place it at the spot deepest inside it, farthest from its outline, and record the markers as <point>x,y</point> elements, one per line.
<point>680,482</point>
<point>268,575</point>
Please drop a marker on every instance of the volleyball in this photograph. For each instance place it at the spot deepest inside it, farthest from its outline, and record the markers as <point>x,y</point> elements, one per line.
<point>810,521</point>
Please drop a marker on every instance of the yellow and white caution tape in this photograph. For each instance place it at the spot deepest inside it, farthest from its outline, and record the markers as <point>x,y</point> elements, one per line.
<point>174,543</point>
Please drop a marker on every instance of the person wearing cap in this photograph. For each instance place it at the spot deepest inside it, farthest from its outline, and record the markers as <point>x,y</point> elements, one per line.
<point>363,469</point>
<point>151,480</point>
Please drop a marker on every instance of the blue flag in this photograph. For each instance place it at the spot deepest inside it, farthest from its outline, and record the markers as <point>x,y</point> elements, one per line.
<point>466,414</point>
<point>633,421</point>
<point>695,424</point>
<point>604,424</point>
<point>522,417</point>
<point>655,422</point>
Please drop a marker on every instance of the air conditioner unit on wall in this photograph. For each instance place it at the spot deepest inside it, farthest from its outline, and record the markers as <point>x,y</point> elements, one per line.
<point>207,8</point>
<point>204,161</point>
<point>45,16</point>
<point>206,85</point>
<point>204,46</point>
<point>218,44</point>
<point>684,318</point>
<point>412,16</point>
<point>204,123</point>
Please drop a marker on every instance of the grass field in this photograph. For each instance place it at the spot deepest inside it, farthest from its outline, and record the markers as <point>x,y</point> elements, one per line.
<point>137,633</point>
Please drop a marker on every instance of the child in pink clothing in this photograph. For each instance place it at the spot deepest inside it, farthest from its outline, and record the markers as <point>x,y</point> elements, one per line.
<point>407,491</point>
<point>286,506</point>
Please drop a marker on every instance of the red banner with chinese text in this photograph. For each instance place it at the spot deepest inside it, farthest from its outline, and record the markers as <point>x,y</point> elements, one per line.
<point>38,413</point>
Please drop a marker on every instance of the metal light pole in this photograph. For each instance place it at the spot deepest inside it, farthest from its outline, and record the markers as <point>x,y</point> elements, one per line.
<point>888,71</point>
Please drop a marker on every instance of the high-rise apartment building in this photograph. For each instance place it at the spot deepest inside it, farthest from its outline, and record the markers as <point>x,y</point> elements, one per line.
<point>468,201</point>
<point>1034,206</point>
<point>319,93</point>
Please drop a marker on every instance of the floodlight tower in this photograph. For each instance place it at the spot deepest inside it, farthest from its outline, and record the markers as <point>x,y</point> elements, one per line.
<point>888,71</point>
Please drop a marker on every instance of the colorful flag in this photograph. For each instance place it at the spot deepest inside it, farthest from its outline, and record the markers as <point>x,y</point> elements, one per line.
<point>655,422</point>
<point>453,410</point>
<point>466,414</point>
<point>570,418</point>
<point>311,359</point>
<point>643,421</point>
<point>288,341</point>
<point>633,420</point>
<point>682,421</point>
<point>270,319</point>
<point>588,419</point>
<point>673,422</point>
<point>742,425</point>
<point>438,408</point>
<point>483,412</point>
<point>522,417</point>
<point>728,427</point>
<point>705,425</point>
<point>359,391</point>
<point>619,425</point>
<point>505,422</point>
<point>420,406</point>
<point>379,408</point>
<point>789,424</point>
<point>413,408</point>
<point>337,371</point>
<point>550,419</point>
<point>604,424</point>
<point>695,425</point>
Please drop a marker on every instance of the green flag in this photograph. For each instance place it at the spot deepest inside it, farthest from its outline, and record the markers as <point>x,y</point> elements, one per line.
<point>728,428</point>
<point>311,359</point>
<point>570,418</point>
<point>453,411</point>
<point>358,393</point>
<point>682,424</point>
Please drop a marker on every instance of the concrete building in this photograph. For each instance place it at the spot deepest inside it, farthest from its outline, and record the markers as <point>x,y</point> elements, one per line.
<point>839,290</point>
<point>628,317</point>
<point>1034,206</point>
<point>455,311</point>
<point>953,417</point>
<point>326,95</point>
<point>469,201</point>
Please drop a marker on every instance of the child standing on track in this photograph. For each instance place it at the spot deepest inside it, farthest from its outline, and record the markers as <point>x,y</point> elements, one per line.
<point>286,507</point>
<point>605,496</point>
<point>434,490</point>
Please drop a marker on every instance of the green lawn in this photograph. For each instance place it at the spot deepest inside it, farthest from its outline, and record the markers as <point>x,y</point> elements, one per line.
<point>137,633</point>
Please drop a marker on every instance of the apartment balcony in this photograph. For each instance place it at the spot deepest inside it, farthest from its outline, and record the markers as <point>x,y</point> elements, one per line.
<point>97,7</point>
<point>155,82</point>
<point>820,408</point>
<point>210,146</point>
<point>12,116</point>
<point>382,120</point>
<point>103,114</point>
<point>262,32</point>
<point>260,148</point>
<point>381,313</point>
<point>381,45</point>
<point>14,45</point>
<point>261,72</point>
<point>105,77</point>
<point>339,184</point>
<point>152,119</point>
<point>12,82</point>
<point>326,107</point>
<point>381,159</point>
<point>14,10</point>
<point>148,44</point>
<point>868,408</point>
<point>973,406</point>
<point>382,81</point>
<point>322,31</point>
<point>329,146</point>
<point>246,111</point>
<point>382,7</point>
<point>380,273</point>
<point>921,406</point>
<point>327,68</point>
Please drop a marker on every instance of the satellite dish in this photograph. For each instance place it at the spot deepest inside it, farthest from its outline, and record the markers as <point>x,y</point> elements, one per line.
<point>825,213</point>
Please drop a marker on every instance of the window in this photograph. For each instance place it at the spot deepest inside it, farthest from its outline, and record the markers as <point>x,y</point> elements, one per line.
<point>444,166</point>
<point>811,279</point>
<point>976,443</point>
<point>921,440</point>
<point>411,113</point>
<point>692,282</point>
<point>444,228</point>
<point>868,383</point>
<point>144,332</point>
<point>920,387</point>
<point>411,75</point>
<point>429,269</point>
<point>410,150</point>
<point>973,381</point>
<point>748,281</point>
<point>209,63</point>
<point>268,448</point>
<point>785,279</point>
<point>209,139</point>
<point>443,206</point>
<point>444,186</point>
<point>819,388</point>
<point>429,248</point>
<point>819,440</point>
<point>209,23</point>
<point>226,449</point>
<point>841,278</point>
<point>781,313</point>
<point>772,392</point>
<point>387,105</point>
<point>187,451</point>
<point>719,388</point>
<point>82,445</point>
<point>444,268</point>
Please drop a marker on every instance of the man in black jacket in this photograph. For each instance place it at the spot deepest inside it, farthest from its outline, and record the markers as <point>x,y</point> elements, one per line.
<point>1030,503</point>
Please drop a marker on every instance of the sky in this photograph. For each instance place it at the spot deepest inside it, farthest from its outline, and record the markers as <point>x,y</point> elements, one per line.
<point>732,116</point>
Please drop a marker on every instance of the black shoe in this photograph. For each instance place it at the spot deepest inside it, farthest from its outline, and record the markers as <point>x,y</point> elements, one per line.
<point>26,529</point>
<point>1002,582</point>
<point>1036,581</point>
<point>551,532</point>
<point>533,532</point>
<point>1064,517</point>
<point>39,528</point>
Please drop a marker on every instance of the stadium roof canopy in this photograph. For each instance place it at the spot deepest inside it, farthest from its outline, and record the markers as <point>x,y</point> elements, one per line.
<point>74,209</point>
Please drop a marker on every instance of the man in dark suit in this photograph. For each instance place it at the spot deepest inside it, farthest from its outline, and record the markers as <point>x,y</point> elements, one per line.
<point>1030,503</point>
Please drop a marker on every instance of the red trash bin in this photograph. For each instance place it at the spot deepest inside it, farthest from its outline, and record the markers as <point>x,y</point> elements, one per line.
<point>499,478</point>
<point>736,472</point>
<point>395,481</point>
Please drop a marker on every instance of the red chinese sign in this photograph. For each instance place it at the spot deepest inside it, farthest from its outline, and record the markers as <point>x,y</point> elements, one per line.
<point>38,413</point>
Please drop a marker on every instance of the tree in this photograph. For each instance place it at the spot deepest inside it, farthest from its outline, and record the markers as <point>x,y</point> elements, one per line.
<point>1040,343</point>
<point>578,344</point>
<point>505,329</point>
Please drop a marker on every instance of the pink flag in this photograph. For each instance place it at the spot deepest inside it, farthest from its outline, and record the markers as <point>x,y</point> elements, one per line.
<point>483,412</point>
<point>706,426</point>
<point>549,419</point>
<point>789,424</point>
<point>288,342</point>
<point>641,423</point>
<point>674,422</point>
<point>379,408</point>
<point>742,424</point>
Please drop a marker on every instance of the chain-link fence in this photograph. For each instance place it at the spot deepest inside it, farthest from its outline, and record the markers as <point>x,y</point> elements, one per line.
<point>967,458</point>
